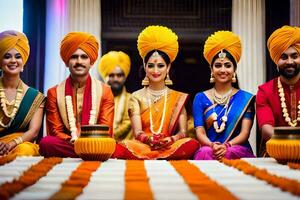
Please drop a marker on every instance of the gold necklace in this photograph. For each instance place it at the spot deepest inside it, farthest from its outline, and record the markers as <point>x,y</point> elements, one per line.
<point>221,99</point>
<point>16,104</point>
<point>163,115</point>
<point>292,123</point>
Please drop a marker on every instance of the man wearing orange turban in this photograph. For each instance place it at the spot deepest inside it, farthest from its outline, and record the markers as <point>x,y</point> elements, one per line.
<point>79,100</point>
<point>114,67</point>
<point>278,101</point>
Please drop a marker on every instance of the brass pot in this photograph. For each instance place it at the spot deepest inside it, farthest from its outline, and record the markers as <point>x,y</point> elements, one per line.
<point>94,143</point>
<point>284,145</point>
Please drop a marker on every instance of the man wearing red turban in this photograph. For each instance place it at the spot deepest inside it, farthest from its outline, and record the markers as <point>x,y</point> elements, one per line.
<point>278,101</point>
<point>78,100</point>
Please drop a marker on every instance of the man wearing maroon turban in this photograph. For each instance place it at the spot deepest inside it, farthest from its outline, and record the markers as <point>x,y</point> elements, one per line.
<point>78,100</point>
<point>278,101</point>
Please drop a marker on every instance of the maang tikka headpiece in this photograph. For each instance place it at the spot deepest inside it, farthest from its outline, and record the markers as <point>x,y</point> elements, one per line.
<point>222,55</point>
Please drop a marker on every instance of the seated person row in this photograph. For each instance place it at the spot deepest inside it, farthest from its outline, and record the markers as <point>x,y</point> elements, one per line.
<point>60,117</point>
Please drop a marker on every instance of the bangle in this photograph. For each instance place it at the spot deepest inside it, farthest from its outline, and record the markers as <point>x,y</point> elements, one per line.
<point>172,139</point>
<point>18,140</point>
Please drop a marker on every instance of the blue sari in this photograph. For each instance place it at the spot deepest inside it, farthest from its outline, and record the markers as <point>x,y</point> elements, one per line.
<point>241,105</point>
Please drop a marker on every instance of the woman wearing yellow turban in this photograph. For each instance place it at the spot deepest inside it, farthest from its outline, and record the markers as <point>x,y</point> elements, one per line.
<point>21,110</point>
<point>157,113</point>
<point>223,115</point>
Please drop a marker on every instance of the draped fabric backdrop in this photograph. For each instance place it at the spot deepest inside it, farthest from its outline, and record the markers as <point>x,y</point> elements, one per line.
<point>64,16</point>
<point>248,21</point>
<point>295,13</point>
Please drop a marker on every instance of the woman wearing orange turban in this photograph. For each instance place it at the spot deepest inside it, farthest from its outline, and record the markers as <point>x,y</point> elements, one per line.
<point>21,110</point>
<point>157,113</point>
<point>223,115</point>
<point>278,100</point>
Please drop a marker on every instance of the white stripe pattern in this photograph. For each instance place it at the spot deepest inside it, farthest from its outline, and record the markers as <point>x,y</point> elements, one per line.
<point>108,181</point>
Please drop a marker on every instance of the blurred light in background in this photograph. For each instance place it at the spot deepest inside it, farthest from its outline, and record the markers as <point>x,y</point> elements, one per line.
<point>11,15</point>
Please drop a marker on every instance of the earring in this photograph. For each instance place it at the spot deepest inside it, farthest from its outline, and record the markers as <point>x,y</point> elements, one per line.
<point>22,69</point>
<point>145,81</point>
<point>168,81</point>
<point>212,78</point>
<point>233,80</point>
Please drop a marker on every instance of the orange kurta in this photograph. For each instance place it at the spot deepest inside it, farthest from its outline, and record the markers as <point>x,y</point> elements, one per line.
<point>55,120</point>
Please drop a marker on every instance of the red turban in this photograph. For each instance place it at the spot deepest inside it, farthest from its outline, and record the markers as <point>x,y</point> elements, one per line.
<point>79,40</point>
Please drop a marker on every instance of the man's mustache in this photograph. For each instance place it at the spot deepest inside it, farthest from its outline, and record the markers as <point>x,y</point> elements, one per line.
<point>79,65</point>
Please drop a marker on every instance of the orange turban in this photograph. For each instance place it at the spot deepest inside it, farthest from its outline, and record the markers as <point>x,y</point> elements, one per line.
<point>111,60</point>
<point>14,40</point>
<point>282,39</point>
<point>79,40</point>
<point>221,40</point>
<point>158,38</point>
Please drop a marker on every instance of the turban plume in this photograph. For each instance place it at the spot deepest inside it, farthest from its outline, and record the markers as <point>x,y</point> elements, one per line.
<point>158,38</point>
<point>221,40</point>
<point>14,40</point>
<point>281,39</point>
<point>79,40</point>
<point>111,60</point>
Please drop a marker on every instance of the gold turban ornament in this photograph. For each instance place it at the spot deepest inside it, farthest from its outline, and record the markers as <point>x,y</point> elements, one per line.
<point>111,60</point>
<point>14,40</point>
<point>79,40</point>
<point>222,40</point>
<point>282,39</point>
<point>158,38</point>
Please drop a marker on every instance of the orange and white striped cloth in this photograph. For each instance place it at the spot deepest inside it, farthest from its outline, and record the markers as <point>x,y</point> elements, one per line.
<point>151,179</point>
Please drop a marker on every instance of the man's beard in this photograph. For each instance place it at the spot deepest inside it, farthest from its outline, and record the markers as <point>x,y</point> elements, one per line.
<point>289,74</point>
<point>116,88</point>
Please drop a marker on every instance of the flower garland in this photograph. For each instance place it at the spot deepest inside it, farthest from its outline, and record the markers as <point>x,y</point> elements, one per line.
<point>28,178</point>
<point>292,123</point>
<point>290,185</point>
<point>199,183</point>
<point>79,178</point>
<point>71,116</point>
<point>223,100</point>
<point>4,101</point>
<point>163,115</point>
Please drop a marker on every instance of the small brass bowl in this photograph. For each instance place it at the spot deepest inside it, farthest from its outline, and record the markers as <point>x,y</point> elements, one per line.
<point>284,145</point>
<point>94,143</point>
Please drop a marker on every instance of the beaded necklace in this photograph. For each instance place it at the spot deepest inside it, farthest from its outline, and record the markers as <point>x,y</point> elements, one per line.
<point>163,115</point>
<point>221,100</point>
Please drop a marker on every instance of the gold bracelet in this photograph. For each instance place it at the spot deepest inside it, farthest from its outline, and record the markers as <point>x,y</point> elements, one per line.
<point>18,140</point>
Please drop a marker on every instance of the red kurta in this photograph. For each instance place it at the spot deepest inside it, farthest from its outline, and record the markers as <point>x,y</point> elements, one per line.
<point>268,105</point>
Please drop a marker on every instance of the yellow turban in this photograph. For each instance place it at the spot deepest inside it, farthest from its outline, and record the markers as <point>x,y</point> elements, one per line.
<point>158,38</point>
<point>79,40</point>
<point>14,40</point>
<point>222,40</point>
<point>111,60</point>
<point>282,39</point>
